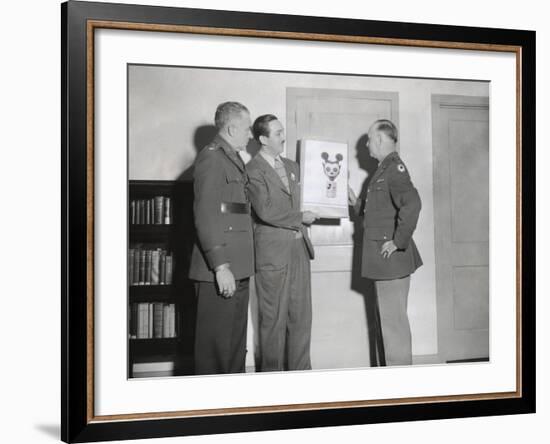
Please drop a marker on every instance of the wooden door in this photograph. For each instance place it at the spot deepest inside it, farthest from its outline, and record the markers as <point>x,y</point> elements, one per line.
<point>343,333</point>
<point>461,219</point>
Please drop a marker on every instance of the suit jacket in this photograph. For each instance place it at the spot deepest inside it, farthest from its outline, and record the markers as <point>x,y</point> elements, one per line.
<point>277,212</point>
<point>391,212</point>
<point>224,235</point>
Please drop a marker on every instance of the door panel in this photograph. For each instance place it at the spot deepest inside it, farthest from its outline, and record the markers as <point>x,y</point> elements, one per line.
<point>461,212</point>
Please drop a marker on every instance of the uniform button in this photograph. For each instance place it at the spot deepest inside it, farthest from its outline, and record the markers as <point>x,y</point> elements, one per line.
<point>385,237</point>
<point>230,228</point>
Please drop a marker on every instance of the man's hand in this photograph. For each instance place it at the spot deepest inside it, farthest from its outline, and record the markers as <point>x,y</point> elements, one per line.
<point>308,217</point>
<point>352,198</point>
<point>225,281</point>
<point>387,249</point>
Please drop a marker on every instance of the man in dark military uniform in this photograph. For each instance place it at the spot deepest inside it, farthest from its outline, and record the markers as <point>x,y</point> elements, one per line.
<point>390,256</point>
<point>223,259</point>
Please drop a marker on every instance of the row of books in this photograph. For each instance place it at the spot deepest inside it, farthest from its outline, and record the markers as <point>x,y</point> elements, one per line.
<point>150,266</point>
<point>154,211</point>
<point>152,320</point>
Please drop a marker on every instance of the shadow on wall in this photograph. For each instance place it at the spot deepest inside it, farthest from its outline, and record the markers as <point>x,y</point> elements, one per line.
<point>358,283</point>
<point>203,136</point>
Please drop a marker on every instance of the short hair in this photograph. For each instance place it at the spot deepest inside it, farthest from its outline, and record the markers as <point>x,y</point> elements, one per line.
<point>387,127</point>
<point>226,111</point>
<point>261,126</point>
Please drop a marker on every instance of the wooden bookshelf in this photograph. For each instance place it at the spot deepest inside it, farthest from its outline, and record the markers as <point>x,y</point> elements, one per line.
<point>176,239</point>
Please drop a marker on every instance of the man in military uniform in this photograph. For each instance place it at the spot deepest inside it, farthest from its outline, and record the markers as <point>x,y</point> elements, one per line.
<point>283,252</point>
<point>223,259</point>
<point>390,256</point>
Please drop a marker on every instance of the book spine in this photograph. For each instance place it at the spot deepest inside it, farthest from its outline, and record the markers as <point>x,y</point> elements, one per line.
<point>167,211</point>
<point>143,254</point>
<point>137,255</point>
<point>155,262</point>
<point>167,320</point>
<point>142,327</point>
<point>159,210</point>
<point>158,319</point>
<point>147,211</point>
<point>133,212</point>
<point>172,320</point>
<point>169,267</point>
<point>162,267</point>
<point>148,268</point>
<point>133,321</point>
<point>150,320</point>
<point>130,266</point>
<point>140,212</point>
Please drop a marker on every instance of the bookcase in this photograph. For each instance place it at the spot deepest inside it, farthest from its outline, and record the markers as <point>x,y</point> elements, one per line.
<point>161,300</point>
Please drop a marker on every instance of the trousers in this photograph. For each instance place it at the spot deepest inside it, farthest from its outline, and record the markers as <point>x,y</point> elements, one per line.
<point>284,302</point>
<point>220,333</point>
<point>396,331</point>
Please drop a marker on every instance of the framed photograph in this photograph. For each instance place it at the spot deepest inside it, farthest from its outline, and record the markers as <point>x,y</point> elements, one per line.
<point>196,142</point>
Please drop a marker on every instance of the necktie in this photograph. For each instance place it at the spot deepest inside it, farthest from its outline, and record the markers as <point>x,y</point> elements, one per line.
<point>281,171</point>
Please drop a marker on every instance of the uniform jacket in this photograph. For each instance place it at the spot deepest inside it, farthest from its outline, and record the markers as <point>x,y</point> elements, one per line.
<point>277,212</point>
<point>223,236</point>
<point>391,211</point>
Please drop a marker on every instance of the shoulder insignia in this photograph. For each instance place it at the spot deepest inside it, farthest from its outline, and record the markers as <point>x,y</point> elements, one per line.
<point>401,168</point>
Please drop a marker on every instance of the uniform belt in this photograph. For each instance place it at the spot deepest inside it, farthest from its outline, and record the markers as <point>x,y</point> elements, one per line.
<point>235,208</point>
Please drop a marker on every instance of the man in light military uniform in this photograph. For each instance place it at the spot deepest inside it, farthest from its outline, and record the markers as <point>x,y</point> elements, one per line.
<point>223,259</point>
<point>390,256</point>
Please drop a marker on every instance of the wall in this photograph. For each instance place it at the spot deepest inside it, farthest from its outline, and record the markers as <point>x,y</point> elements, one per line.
<point>170,106</point>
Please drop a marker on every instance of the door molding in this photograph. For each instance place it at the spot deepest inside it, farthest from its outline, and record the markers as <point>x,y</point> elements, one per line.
<point>293,95</point>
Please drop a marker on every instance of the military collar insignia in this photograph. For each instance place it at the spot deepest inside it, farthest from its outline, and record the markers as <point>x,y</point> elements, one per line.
<point>292,176</point>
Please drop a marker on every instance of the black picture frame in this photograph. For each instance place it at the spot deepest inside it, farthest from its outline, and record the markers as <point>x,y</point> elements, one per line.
<point>78,423</point>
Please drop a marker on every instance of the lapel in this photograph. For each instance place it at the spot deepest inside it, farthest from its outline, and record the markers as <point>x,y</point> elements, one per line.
<point>230,152</point>
<point>271,174</point>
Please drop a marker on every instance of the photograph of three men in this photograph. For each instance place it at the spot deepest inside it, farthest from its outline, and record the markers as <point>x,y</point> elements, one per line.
<point>286,221</point>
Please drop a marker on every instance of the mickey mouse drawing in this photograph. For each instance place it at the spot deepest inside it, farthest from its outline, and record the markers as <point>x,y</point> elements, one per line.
<point>331,169</point>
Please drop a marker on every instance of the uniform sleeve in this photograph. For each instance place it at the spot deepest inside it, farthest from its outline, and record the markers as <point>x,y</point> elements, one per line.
<point>405,197</point>
<point>209,179</point>
<point>259,194</point>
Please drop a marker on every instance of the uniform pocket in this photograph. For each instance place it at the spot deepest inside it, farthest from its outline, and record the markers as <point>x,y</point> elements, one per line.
<point>237,222</point>
<point>379,233</point>
<point>233,177</point>
<point>381,196</point>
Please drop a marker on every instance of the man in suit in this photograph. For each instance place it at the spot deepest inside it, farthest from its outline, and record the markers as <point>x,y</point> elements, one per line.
<point>223,258</point>
<point>390,256</point>
<point>283,251</point>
